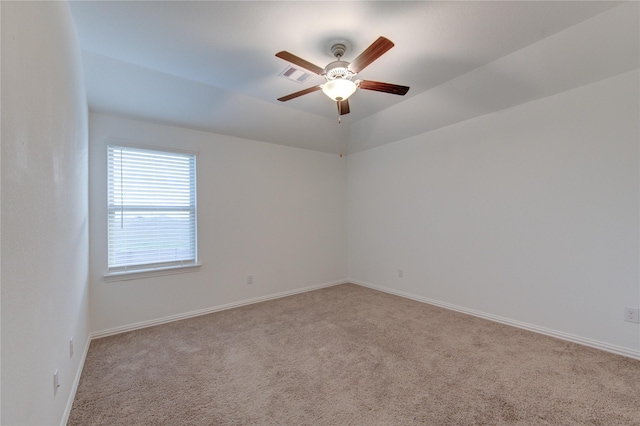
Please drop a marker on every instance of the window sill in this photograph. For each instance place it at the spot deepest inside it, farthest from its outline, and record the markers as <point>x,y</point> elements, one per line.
<point>147,273</point>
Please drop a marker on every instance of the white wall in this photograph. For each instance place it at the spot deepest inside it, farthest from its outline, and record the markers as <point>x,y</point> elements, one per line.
<point>276,212</point>
<point>529,214</point>
<point>44,211</point>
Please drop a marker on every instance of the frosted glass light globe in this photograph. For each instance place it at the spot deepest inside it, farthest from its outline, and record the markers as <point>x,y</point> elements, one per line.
<point>339,89</point>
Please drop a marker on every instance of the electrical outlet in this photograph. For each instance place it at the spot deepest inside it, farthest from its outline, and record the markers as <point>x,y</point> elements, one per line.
<point>56,382</point>
<point>632,315</point>
<point>249,279</point>
<point>400,273</point>
<point>71,348</point>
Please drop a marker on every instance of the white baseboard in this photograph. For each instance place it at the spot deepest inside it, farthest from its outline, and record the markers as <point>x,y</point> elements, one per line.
<point>171,318</point>
<point>76,382</point>
<point>619,350</point>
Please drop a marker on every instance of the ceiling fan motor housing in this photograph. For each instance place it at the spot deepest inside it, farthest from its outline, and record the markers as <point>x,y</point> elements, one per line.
<point>338,69</point>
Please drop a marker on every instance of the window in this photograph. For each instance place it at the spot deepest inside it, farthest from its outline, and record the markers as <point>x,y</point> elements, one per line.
<point>152,209</point>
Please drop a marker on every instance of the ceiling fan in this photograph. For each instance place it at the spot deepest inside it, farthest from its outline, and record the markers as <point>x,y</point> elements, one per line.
<point>339,74</point>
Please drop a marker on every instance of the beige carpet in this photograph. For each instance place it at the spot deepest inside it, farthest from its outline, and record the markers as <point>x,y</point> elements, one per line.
<point>348,355</point>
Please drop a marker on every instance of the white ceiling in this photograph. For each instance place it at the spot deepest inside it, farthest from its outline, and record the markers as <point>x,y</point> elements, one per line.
<point>211,65</point>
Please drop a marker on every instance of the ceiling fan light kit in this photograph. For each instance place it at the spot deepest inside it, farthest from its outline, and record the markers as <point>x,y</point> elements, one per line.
<point>338,74</point>
<point>339,89</point>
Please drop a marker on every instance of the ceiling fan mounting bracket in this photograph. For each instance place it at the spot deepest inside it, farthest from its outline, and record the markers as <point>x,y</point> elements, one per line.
<point>338,50</point>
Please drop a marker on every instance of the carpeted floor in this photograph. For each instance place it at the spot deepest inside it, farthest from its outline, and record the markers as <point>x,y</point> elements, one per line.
<point>348,355</point>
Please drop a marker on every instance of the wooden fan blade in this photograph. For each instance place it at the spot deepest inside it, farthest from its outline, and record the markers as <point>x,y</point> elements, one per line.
<point>343,107</point>
<point>300,93</point>
<point>290,57</point>
<point>383,87</point>
<point>371,53</point>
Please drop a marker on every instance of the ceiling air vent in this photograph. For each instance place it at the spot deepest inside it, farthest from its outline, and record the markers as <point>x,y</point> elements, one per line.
<point>295,74</point>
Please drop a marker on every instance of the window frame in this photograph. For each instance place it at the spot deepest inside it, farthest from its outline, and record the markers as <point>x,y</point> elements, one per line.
<point>145,270</point>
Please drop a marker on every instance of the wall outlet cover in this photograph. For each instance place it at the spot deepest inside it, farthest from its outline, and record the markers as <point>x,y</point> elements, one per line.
<point>632,315</point>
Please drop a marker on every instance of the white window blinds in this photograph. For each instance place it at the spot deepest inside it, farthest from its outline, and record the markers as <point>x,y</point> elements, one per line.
<point>152,209</point>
